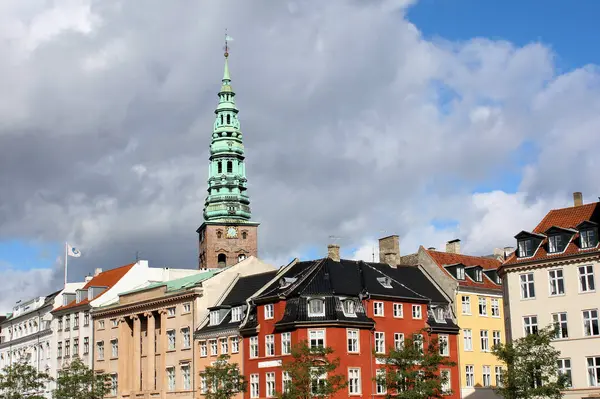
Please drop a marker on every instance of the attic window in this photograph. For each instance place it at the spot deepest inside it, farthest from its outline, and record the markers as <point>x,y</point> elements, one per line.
<point>214,317</point>
<point>316,307</point>
<point>460,273</point>
<point>556,243</point>
<point>236,314</point>
<point>286,282</point>
<point>498,279</point>
<point>439,314</point>
<point>525,248</point>
<point>386,282</point>
<point>349,307</point>
<point>478,275</point>
<point>589,238</point>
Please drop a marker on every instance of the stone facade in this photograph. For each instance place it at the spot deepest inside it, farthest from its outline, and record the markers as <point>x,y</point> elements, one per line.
<point>219,249</point>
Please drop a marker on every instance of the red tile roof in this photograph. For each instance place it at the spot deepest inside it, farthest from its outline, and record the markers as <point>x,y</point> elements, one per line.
<point>444,259</point>
<point>105,279</point>
<point>566,218</point>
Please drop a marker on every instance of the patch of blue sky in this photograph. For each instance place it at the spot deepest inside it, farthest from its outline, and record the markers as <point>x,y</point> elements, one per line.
<point>444,224</point>
<point>27,255</point>
<point>556,24</point>
<point>445,96</point>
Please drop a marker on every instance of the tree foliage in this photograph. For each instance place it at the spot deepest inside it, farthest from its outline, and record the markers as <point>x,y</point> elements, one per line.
<point>224,379</point>
<point>532,367</point>
<point>77,381</point>
<point>22,381</point>
<point>312,372</point>
<point>412,371</point>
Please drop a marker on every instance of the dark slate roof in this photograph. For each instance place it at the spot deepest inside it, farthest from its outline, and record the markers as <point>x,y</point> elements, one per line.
<point>246,286</point>
<point>414,277</point>
<point>50,297</point>
<point>448,326</point>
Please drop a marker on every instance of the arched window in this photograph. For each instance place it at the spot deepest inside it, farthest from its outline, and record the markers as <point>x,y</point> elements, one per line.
<point>241,257</point>
<point>229,167</point>
<point>244,235</point>
<point>228,119</point>
<point>219,234</point>
<point>219,167</point>
<point>222,260</point>
<point>221,119</point>
<point>316,307</point>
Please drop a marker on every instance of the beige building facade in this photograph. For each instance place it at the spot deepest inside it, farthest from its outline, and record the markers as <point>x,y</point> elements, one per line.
<point>145,340</point>
<point>552,280</point>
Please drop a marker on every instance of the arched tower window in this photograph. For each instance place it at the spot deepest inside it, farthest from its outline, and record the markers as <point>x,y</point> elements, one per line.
<point>228,119</point>
<point>222,260</point>
<point>219,234</point>
<point>219,167</point>
<point>244,235</point>
<point>229,167</point>
<point>221,119</point>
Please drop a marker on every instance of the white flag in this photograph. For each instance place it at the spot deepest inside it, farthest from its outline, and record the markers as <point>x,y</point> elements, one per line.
<point>72,251</point>
<point>228,38</point>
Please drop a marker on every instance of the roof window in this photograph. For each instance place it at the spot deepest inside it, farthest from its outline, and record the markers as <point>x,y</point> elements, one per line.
<point>588,238</point>
<point>386,282</point>
<point>460,272</point>
<point>316,307</point>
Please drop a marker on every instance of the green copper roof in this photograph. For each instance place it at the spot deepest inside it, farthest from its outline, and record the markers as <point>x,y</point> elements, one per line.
<point>178,284</point>
<point>227,200</point>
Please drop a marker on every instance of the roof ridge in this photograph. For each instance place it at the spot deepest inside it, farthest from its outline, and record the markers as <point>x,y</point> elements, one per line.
<point>468,256</point>
<point>308,273</point>
<point>574,208</point>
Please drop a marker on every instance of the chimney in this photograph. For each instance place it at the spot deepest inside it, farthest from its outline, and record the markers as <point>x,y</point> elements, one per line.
<point>97,271</point>
<point>577,198</point>
<point>508,251</point>
<point>389,250</point>
<point>431,248</point>
<point>88,279</point>
<point>333,252</point>
<point>453,246</point>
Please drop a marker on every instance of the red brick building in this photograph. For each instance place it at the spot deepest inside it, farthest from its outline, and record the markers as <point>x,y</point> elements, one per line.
<point>353,307</point>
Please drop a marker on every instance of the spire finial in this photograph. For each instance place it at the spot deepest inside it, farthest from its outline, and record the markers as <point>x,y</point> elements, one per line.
<point>227,40</point>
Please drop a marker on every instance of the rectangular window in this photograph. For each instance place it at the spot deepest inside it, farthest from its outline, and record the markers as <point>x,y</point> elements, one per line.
<point>586,278</point>
<point>185,332</point>
<point>590,323</point>
<point>286,343</point>
<point>224,346</point>
<point>253,347</point>
<point>171,378</point>
<point>67,322</point>
<point>446,381</point>
<point>352,336</point>
<point>213,347</point>
<point>203,349</point>
<point>560,323</point>
<point>99,349</point>
<point>555,243</point>
<point>316,307</point>
<point>171,339</point>
<point>286,381</point>
<point>254,381</point>
<point>203,384</point>
<point>379,342</point>
<point>187,307</point>
<point>564,368</point>
<point>59,350</point>
<point>270,384</point>
<point>100,325</point>
<point>398,310</point>
<point>416,311</point>
<point>593,366</point>
<point>86,345</point>
<point>444,343</point>
<point>381,388</point>
<point>269,311</point>
<point>270,345</point>
<point>468,339</point>
<point>186,376</point>
<point>236,314</point>
<point>557,282</point>
<point>114,345</point>
<point>588,238</point>
<point>495,307</point>
<point>530,325</point>
<point>498,372</point>
<point>86,319</point>
<point>527,286</point>
<point>354,384</point>
<point>378,309</point>
<point>349,308</point>
<point>487,376</point>
<point>75,346</point>
<point>60,324</point>
<point>470,375</point>
<point>171,313</point>
<point>485,341</point>
<point>460,273</point>
<point>114,323</point>
<point>496,337</point>
<point>466,304</point>
<point>418,342</point>
<point>482,306</point>
<point>525,248</point>
<point>114,384</point>
<point>316,338</point>
<point>76,321</point>
<point>214,318</point>
<point>398,341</point>
<point>317,383</point>
<point>235,344</point>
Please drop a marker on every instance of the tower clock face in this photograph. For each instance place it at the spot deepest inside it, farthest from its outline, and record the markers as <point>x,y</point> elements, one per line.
<point>231,232</point>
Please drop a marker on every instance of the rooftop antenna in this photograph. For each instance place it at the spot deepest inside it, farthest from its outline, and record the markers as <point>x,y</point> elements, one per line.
<point>381,232</point>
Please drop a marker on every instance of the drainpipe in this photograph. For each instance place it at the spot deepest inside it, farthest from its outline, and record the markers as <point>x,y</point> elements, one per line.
<point>193,347</point>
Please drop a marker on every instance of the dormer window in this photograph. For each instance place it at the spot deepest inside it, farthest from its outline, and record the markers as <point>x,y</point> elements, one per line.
<point>460,273</point>
<point>555,243</point>
<point>525,248</point>
<point>316,307</point>
<point>349,309</point>
<point>236,314</point>
<point>386,282</point>
<point>589,238</point>
<point>478,275</point>
<point>214,317</point>
<point>439,315</point>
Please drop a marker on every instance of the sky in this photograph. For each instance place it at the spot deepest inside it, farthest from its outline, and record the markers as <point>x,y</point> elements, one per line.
<point>429,119</point>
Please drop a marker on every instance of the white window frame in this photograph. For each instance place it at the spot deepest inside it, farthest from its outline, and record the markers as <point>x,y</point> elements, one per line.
<point>171,381</point>
<point>354,381</point>
<point>114,348</point>
<point>589,316</point>
<point>286,343</point>
<point>498,375</point>
<point>315,313</point>
<point>484,340</point>
<point>482,306</point>
<point>564,367</point>
<point>379,342</point>
<point>495,307</point>
<point>398,341</point>
<point>286,380</point>
<point>253,347</point>
<point>270,384</point>
<point>186,338</point>
<point>486,374</point>
<point>236,314</point>
<point>419,341</point>
<point>587,278</point>
<point>530,325</point>
<point>465,302</point>
<point>172,311</point>
<point>114,384</point>
<point>214,347</point>
<point>468,339</point>
<point>593,369</point>
<point>269,345</point>
<point>584,235</point>
<point>269,311</point>
<point>100,349</point>
<point>254,386</point>
<point>349,308</point>
<point>380,389</point>
<point>215,318</point>
<point>444,344</point>
<point>417,312</point>
<point>496,337</point>
<point>555,278</point>
<point>554,241</point>
<point>447,384</point>
<point>561,321</point>
<point>224,345</point>
<point>317,335</point>
<point>527,282</point>
<point>235,344</point>
<point>187,307</point>
<point>203,349</point>
<point>469,376</point>
<point>398,310</point>
<point>186,376</point>
<point>378,309</point>
<point>171,340</point>
<point>353,340</point>
<point>460,273</point>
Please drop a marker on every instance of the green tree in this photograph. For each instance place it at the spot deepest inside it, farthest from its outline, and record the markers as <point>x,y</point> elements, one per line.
<point>22,381</point>
<point>311,373</point>
<point>532,367</point>
<point>78,381</point>
<point>223,379</point>
<point>415,370</point>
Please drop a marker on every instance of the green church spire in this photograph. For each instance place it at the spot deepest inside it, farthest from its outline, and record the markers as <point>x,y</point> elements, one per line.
<point>227,200</point>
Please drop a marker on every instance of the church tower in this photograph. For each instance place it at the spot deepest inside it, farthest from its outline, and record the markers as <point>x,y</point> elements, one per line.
<point>227,235</point>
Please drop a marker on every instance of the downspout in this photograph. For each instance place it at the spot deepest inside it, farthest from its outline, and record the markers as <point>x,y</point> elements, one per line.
<point>193,348</point>
<point>373,382</point>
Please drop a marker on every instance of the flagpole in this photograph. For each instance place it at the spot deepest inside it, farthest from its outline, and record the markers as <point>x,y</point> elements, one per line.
<point>66,257</point>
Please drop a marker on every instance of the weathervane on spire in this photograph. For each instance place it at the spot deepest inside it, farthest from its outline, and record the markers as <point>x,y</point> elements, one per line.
<point>227,40</point>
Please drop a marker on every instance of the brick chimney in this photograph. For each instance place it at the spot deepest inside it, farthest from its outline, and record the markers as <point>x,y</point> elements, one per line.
<point>389,250</point>
<point>453,246</point>
<point>333,252</point>
<point>577,198</point>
